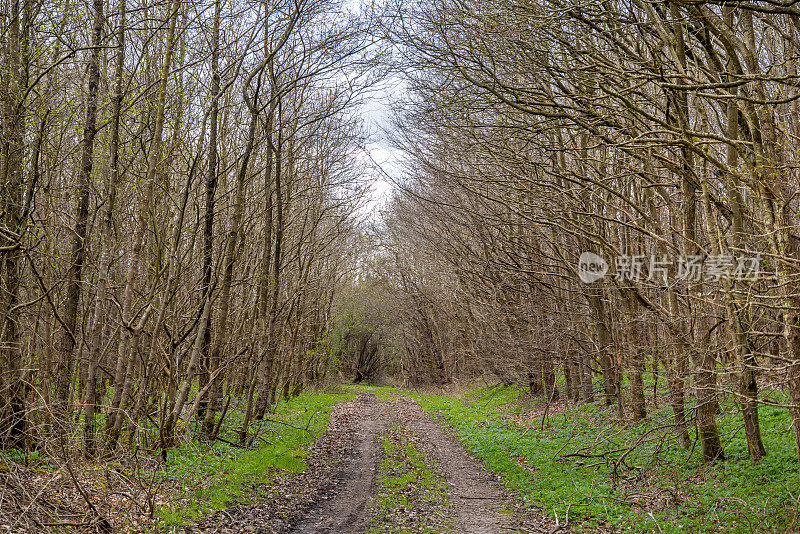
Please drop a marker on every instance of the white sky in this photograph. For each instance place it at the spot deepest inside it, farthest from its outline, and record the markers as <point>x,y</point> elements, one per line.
<point>377,115</point>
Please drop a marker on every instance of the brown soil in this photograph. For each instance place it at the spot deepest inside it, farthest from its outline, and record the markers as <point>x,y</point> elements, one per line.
<point>333,494</point>
<point>336,494</point>
<point>482,504</point>
<point>346,507</point>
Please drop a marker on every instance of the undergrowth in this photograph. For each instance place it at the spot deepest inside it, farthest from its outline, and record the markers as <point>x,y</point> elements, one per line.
<point>210,476</point>
<point>580,464</point>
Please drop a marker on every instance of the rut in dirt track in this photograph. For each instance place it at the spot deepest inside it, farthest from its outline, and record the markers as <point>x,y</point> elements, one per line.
<point>346,506</point>
<point>481,503</point>
<point>332,495</point>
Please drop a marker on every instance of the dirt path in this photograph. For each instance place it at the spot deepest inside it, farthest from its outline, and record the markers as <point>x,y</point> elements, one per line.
<point>481,503</point>
<point>345,506</point>
<point>332,494</point>
<point>338,492</point>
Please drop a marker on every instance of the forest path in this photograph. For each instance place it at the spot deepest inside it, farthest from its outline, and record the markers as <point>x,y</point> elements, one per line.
<point>340,491</point>
<point>481,503</point>
<point>332,495</point>
<point>345,504</point>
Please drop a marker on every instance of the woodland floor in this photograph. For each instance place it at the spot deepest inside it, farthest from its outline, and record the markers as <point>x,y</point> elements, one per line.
<point>384,466</point>
<point>381,460</point>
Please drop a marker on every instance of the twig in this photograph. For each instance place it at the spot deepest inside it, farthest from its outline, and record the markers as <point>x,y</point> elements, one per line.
<point>102,522</point>
<point>265,440</point>
<point>283,423</point>
<point>655,522</point>
<point>232,444</point>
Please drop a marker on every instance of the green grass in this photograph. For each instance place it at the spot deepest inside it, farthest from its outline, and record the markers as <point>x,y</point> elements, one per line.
<point>538,461</point>
<point>409,483</point>
<point>213,475</point>
<point>658,477</point>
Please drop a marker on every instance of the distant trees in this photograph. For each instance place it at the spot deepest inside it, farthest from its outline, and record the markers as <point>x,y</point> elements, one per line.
<point>362,338</point>
<point>657,135</point>
<point>177,203</point>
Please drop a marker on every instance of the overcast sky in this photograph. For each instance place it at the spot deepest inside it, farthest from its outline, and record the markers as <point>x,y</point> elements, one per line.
<point>377,114</point>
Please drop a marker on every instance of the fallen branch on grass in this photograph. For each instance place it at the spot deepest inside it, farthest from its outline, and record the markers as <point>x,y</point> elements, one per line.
<point>232,444</point>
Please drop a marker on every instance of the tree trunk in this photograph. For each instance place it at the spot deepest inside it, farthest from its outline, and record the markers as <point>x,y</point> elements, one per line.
<point>13,419</point>
<point>167,433</point>
<point>78,254</point>
<point>211,362</point>
<point>126,356</point>
<point>607,369</point>
<point>551,389</point>
<point>267,385</point>
<point>107,229</point>
<point>636,336</point>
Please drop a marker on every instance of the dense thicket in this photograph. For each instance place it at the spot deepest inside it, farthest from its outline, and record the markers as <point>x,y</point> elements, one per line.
<point>181,187</point>
<point>660,136</point>
<point>179,199</point>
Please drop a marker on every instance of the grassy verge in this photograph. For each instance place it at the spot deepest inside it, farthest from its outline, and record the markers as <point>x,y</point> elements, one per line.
<point>579,464</point>
<point>209,476</point>
<point>412,496</point>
